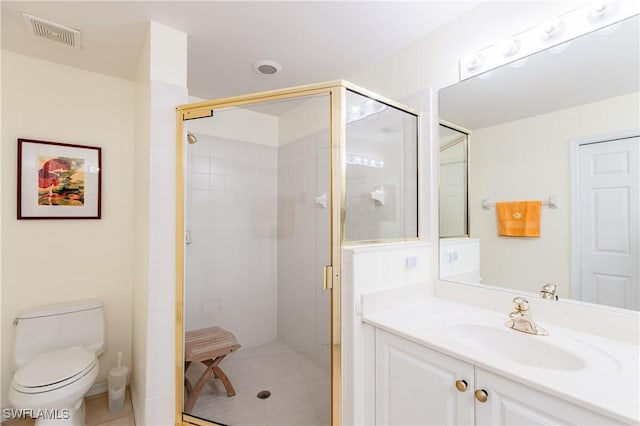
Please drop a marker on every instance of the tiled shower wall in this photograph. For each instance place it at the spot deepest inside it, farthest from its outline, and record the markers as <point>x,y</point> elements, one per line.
<point>258,242</point>
<point>304,306</point>
<point>231,220</point>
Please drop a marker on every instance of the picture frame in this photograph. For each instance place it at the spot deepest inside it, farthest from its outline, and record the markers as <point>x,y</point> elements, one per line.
<point>58,180</point>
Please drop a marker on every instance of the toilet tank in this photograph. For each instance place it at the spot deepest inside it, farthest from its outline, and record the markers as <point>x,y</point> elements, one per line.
<point>50,327</point>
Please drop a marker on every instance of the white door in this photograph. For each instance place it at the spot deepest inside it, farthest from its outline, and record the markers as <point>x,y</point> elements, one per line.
<point>417,386</point>
<point>609,216</point>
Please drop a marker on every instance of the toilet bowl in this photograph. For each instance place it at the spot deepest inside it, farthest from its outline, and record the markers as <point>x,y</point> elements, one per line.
<point>52,385</point>
<point>56,356</point>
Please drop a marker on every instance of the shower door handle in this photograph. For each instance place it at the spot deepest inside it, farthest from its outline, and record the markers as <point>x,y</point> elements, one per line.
<point>328,277</point>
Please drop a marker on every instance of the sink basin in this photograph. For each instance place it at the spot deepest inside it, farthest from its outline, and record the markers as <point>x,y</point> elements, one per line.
<point>523,348</point>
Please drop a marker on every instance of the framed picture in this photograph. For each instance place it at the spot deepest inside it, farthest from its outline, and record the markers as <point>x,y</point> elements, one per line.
<point>58,180</point>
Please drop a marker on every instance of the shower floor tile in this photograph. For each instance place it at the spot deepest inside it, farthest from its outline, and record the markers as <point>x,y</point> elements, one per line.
<point>300,391</point>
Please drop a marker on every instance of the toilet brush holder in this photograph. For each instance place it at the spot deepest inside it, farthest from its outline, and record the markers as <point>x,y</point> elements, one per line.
<point>116,385</point>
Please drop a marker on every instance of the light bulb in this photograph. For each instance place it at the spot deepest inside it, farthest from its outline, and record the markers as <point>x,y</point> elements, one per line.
<point>509,47</point>
<point>549,30</point>
<point>473,62</point>
<point>598,11</point>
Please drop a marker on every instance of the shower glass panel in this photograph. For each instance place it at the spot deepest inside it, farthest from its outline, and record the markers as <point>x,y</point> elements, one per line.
<point>381,171</point>
<point>258,234</point>
<point>453,182</point>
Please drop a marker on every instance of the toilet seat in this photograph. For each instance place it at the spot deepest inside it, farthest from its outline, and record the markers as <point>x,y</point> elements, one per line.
<point>54,370</point>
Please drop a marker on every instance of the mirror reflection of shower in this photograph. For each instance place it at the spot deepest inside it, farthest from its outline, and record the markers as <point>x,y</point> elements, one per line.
<point>257,318</point>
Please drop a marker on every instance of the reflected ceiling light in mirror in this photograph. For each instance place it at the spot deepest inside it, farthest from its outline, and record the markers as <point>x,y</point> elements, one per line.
<point>553,32</point>
<point>364,109</point>
<point>361,160</point>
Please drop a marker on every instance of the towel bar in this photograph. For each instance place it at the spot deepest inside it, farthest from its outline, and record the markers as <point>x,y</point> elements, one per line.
<point>551,202</point>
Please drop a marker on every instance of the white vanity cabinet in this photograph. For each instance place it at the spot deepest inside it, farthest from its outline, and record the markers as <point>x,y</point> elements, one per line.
<point>512,403</point>
<point>419,386</point>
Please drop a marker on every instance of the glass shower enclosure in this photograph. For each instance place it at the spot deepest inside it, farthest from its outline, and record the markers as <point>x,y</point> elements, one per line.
<point>266,185</point>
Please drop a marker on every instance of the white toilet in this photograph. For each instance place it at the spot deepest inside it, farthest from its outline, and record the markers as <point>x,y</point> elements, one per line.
<point>56,352</point>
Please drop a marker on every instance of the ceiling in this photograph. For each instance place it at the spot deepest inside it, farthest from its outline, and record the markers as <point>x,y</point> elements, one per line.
<point>312,41</point>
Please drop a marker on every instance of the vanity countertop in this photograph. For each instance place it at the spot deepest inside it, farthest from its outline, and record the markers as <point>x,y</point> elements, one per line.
<point>609,383</point>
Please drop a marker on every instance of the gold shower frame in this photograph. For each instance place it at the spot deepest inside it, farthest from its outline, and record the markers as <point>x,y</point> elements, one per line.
<point>337,100</point>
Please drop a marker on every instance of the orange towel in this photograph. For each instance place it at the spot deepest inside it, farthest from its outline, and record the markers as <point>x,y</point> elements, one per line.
<point>519,218</point>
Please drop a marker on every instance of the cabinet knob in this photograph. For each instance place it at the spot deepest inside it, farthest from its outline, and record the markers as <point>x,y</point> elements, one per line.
<point>461,385</point>
<point>481,395</point>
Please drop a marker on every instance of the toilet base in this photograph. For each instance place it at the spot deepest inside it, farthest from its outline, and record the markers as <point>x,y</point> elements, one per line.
<point>74,416</point>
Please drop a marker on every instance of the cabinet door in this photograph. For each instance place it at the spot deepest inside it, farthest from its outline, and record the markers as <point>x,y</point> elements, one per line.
<point>417,386</point>
<point>512,403</point>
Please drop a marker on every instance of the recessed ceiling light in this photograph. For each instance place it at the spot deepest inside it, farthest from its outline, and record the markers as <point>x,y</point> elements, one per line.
<point>266,67</point>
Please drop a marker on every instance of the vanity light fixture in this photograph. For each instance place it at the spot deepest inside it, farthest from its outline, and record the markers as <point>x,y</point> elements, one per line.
<point>473,62</point>
<point>597,16</point>
<point>550,30</point>
<point>598,11</point>
<point>509,47</point>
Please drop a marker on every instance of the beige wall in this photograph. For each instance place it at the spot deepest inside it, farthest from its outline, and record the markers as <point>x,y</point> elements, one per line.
<point>529,160</point>
<point>53,261</point>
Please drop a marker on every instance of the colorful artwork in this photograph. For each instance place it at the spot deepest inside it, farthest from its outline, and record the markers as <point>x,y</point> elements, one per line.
<point>60,181</point>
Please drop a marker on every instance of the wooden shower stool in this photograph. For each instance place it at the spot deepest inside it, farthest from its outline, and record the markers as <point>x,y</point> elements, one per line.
<point>208,346</point>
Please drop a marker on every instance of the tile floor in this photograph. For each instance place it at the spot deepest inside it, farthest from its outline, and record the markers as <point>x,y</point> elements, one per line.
<point>98,414</point>
<point>300,391</point>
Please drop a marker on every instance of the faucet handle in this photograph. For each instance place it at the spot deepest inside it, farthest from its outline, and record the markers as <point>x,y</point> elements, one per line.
<point>521,303</point>
<point>548,291</point>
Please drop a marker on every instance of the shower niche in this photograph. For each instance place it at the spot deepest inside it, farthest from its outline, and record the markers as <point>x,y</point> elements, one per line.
<point>271,186</point>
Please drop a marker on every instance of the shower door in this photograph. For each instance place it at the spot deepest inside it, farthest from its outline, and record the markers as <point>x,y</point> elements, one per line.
<point>270,186</point>
<point>257,226</point>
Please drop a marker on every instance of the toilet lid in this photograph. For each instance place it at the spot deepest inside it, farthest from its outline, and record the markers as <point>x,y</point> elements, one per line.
<point>53,367</point>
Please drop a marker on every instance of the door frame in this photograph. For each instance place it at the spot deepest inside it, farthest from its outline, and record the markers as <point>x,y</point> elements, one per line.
<point>574,218</point>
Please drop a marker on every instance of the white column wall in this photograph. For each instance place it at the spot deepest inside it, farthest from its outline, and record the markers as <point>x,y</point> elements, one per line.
<point>161,86</point>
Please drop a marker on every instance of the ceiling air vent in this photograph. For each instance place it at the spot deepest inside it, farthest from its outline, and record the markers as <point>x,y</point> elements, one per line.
<point>42,28</point>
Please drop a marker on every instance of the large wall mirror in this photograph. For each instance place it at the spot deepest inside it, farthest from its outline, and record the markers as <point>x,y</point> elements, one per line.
<point>560,127</point>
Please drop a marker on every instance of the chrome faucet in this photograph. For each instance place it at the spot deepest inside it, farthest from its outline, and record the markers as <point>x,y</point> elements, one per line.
<point>521,319</point>
<point>549,292</point>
